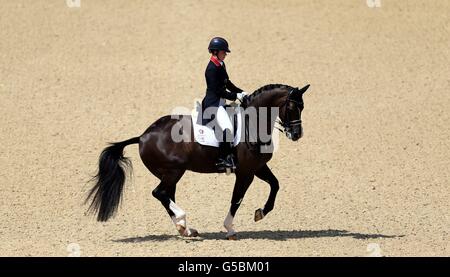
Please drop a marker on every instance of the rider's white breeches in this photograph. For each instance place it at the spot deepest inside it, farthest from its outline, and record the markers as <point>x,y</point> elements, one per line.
<point>223,119</point>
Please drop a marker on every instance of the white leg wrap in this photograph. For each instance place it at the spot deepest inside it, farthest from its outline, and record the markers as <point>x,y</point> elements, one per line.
<point>228,224</point>
<point>180,215</point>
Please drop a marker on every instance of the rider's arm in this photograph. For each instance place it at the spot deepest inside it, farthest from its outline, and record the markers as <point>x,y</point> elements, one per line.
<point>231,87</point>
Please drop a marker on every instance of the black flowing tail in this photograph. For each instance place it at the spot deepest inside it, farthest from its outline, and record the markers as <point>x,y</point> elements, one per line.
<point>109,181</point>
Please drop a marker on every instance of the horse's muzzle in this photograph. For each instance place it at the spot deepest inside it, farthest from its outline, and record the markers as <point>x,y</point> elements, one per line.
<point>295,135</point>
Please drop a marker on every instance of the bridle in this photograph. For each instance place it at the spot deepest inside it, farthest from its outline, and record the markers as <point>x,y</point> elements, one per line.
<point>289,124</point>
<point>286,124</point>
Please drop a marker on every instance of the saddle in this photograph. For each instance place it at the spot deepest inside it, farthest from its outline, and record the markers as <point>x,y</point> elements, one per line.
<point>204,135</point>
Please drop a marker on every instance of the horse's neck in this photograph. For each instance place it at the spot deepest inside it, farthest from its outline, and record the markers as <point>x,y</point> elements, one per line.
<point>270,101</point>
<point>273,98</point>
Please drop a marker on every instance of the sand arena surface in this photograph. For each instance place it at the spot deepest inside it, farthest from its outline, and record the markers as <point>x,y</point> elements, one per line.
<point>371,172</point>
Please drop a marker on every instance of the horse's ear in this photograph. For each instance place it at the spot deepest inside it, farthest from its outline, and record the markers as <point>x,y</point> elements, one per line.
<point>297,93</point>
<point>304,89</point>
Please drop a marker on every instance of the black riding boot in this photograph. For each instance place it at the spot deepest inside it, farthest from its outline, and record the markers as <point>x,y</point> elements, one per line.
<point>226,159</point>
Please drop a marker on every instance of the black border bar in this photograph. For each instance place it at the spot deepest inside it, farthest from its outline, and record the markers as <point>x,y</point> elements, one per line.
<point>223,265</point>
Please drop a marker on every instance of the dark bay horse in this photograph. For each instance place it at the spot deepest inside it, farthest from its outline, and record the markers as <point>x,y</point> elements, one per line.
<point>169,160</point>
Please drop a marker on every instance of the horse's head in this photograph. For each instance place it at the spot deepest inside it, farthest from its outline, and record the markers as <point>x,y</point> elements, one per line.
<point>291,113</point>
<point>288,100</point>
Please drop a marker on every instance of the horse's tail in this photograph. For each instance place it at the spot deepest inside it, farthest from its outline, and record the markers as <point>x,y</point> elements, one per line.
<point>109,180</point>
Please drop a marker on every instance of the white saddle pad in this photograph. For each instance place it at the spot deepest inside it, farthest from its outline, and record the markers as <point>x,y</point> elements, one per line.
<point>205,135</point>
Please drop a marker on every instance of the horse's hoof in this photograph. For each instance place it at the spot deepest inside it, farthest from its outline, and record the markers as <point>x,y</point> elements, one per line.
<point>181,229</point>
<point>259,214</point>
<point>187,232</point>
<point>232,237</point>
<point>192,233</point>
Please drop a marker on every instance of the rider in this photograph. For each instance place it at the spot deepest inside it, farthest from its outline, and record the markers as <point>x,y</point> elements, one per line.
<point>218,83</point>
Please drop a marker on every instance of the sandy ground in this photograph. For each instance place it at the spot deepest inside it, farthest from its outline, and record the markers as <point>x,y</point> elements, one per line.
<point>370,177</point>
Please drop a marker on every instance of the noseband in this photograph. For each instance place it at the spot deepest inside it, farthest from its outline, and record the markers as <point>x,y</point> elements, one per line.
<point>289,124</point>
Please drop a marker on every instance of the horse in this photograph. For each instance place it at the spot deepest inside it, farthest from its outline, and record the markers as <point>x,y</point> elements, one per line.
<point>169,160</point>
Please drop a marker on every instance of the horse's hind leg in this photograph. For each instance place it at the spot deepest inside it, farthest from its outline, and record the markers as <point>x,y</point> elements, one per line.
<point>266,175</point>
<point>165,192</point>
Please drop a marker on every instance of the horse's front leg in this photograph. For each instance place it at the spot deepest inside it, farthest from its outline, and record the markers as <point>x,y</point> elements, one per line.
<point>243,181</point>
<point>266,175</point>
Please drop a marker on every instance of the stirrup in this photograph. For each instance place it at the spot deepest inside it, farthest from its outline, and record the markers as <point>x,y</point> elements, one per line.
<point>222,163</point>
<point>226,165</point>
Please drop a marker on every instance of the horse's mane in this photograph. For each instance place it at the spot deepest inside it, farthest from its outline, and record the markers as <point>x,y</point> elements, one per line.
<point>266,88</point>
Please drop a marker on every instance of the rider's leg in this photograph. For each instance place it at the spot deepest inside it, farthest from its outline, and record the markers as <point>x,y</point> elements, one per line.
<point>224,122</point>
<point>226,142</point>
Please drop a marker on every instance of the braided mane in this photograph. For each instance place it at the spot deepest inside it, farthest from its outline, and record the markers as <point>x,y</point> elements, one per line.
<point>266,88</point>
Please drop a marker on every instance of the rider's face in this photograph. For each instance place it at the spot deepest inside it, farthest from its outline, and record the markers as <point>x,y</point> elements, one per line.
<point>221,55</point>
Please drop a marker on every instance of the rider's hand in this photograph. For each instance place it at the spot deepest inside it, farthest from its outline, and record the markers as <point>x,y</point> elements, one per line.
<point>241,96</point>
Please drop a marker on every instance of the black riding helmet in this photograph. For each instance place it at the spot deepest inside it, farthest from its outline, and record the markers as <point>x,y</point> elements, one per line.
<point>218,44</point>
